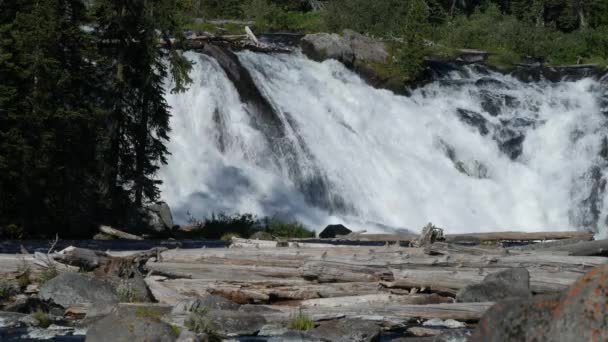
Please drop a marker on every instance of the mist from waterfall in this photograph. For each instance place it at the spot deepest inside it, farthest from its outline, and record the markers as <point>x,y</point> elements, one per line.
<point>475,151</point>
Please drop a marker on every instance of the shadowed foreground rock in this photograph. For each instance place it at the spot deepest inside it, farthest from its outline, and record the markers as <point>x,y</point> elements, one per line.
<point>578,314</point>
<point>134,323</point>
<point>511,283</point>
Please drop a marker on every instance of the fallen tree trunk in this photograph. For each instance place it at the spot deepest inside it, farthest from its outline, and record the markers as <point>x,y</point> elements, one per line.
<point>518,236</point>
<point>118,234</point>
<point>586,248</point>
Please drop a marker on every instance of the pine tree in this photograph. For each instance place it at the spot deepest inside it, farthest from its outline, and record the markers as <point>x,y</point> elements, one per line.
<point>50,118</point>
<point>131,31</point>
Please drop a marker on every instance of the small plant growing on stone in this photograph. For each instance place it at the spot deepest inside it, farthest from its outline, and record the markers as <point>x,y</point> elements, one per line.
<point>199,323</point>
<point>42,318</point>
<point>24,279</point>
<point>301,322</point>
<point>6,291</point>
<point>126,293</point>
<point>48,274</point>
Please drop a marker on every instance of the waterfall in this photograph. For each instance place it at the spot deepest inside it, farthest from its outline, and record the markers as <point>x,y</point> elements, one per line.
<point>475,150</point>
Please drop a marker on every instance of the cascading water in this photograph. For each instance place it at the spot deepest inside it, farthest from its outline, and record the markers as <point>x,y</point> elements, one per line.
<point>473,151</point>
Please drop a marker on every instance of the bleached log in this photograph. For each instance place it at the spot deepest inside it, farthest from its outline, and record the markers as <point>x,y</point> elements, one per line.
<point>586,248</point>
<point>118,233</point>
<point>217,272</point>
<point>465,312</point>
<point>161,293</point>
<point>519,236</point>
<point>373,299</point>
<point>328,271</point>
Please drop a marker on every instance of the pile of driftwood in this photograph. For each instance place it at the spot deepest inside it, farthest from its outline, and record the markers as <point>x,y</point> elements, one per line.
<point>389,284</point>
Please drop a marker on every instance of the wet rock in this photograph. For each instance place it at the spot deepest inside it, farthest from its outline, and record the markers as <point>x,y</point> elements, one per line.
<point>347,330</point>
<point>323,46</point>
<point>273,330</point>
<point>133,323</point>
<point>448,323</point>
<point>210,302</point>
<point>422,332</point>
<point>333,230</point>
<point>488,82</point>
<point>510,142</point>
<point>11,320</point>
<point>72,288</point>
<point>577,314</point>
<point>295,336</point>
<point>491,103</point>
<point>514,282</point>
<point>474,119</point>
<point>26,304</point>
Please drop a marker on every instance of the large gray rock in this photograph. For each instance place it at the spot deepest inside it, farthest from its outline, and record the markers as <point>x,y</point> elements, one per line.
<point>159,217</point>
<point>237,323</point>
<point>73,288</point>
<point>133,323</point>
<point>347,330</point>
<point>511,283</point>
<point>577,314</point>
<point>323,46</point>
<point>365,48</point>
<point>209,302</point>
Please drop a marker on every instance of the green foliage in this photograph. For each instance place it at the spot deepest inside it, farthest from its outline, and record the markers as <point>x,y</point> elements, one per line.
<point>6,291</point>
<point>42,318</point>
<point>126,293</point>
<point>283,229</point>
<point>301,322</point>
<point>11,231</point>
<point>224,227</point>
<point>149,313</point>
<point>269,16</point>
<point>48,274</point>
<point>199,323</point>
<point>217,226</point>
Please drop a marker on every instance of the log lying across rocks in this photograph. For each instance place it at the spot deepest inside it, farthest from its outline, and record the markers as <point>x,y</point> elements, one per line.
<point>388,284</point>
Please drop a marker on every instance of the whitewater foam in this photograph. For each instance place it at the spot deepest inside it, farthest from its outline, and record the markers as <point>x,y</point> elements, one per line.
<point>372,159</point>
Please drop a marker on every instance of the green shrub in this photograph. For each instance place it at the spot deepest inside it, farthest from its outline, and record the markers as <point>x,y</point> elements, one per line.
<point>126,293</point>
<point>286,229</point>
<point>42,318</point>
<point>219,225</point>
<point>11,231</point>
<point>301,322</point>
<point>48,274</point>
<point>6,291</point>
<point>270,17</point>
<point>199,323</point>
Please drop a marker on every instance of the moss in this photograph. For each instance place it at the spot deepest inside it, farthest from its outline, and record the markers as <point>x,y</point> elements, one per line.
<point>176,330</point>
<point>48,274</point>
<point>42,318</point>
<point>301,322</point>
<point>148,312</point>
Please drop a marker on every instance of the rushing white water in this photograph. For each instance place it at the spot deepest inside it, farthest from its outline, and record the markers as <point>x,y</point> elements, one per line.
<point>478,151</point>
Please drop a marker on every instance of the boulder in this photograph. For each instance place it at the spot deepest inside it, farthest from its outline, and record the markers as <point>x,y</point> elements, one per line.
<point>237,323</point>
<point>333,230</point>
<point>323,46</point>
<point>133,323</point>
<point>73,288</point>
<point>10,320</point>
<point>210,302</point>
<point>365,48</point>
<point>158,217</point>
<point>511,283</point>
<point>347,330</point>
<point>577,314</point>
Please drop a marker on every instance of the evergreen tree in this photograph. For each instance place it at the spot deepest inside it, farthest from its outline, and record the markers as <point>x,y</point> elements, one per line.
<point>131,32</point>
<point>50,118</point>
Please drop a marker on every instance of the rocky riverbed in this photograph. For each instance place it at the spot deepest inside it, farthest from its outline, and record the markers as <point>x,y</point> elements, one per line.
<point>411,288</point>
